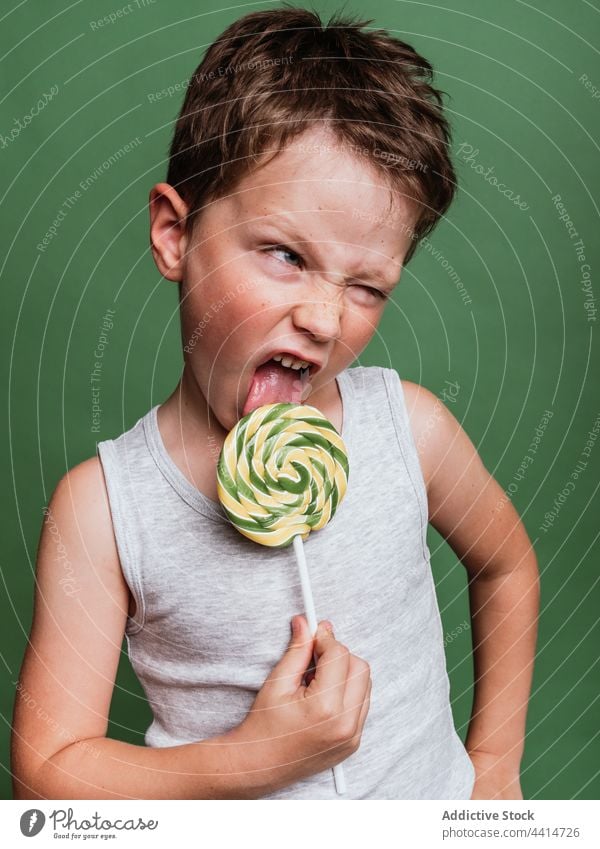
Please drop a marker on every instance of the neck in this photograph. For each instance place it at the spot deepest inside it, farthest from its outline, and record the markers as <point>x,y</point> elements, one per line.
<point>186,420</point>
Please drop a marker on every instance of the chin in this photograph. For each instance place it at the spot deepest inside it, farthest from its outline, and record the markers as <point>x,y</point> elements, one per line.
<point>220,418</point>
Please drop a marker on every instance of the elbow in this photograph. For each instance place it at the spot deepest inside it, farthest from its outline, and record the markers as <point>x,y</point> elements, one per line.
<point>26,770</point>
<point>24,785</point>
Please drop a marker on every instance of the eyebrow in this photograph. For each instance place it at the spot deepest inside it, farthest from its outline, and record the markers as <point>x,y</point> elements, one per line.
<point>292,235</point>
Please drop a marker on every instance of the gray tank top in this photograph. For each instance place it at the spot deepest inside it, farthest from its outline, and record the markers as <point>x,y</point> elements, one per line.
<point>214,608</point>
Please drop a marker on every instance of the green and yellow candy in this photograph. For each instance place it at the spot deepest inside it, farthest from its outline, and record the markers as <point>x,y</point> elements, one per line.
<point>282,472</point>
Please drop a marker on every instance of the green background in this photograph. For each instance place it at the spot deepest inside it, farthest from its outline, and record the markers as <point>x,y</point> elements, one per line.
<point>522,345</point>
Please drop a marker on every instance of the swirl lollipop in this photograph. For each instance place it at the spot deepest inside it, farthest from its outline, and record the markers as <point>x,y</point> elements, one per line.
<point>283,470</point>
<point>282,473</point>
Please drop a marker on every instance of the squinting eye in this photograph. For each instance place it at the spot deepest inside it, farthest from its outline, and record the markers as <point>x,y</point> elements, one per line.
<point>382,296</point>
<point>283,249</point>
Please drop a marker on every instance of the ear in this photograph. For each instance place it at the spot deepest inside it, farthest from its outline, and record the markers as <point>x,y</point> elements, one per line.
<point>168,240</point>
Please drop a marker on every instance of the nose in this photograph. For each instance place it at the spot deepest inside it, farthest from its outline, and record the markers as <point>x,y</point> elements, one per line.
<point>320,317</point>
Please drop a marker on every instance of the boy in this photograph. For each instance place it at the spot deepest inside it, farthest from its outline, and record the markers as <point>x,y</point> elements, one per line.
<point>289,134</point>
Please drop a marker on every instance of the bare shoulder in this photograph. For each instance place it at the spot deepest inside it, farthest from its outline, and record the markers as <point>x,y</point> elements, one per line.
<point>443,446</point>
<point>80,503</point>
<point>467,506</point>
<point>79,511</point>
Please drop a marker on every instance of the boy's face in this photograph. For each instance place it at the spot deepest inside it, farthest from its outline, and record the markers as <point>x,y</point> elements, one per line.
<point>295,259</point>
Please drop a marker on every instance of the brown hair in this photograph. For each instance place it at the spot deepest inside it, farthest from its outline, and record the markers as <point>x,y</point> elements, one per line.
<point>272,73</point>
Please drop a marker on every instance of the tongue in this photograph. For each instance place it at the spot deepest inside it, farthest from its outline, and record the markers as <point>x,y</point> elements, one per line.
<point>273,384</point>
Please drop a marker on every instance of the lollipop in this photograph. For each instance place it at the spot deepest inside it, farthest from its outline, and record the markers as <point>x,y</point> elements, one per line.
<point>282,472</point>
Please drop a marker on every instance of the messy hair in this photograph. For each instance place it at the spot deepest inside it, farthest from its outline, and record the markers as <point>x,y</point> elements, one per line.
<point>274,74</point>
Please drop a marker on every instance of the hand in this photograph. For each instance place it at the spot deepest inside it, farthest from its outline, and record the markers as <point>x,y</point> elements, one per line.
<point>294,730</point>
<point>496,777</point>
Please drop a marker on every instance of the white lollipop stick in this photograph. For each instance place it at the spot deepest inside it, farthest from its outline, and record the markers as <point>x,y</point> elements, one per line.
<point>311,618</point>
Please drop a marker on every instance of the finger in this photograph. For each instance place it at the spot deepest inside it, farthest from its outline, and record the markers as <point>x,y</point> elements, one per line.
<point>357,685</point>
<point>286,676</point>
<point>365,707</point>
<point>331,670</point>
<point>364,710</point>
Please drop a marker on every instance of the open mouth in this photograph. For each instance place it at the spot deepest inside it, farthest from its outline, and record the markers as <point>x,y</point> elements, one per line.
<point>283,378</point>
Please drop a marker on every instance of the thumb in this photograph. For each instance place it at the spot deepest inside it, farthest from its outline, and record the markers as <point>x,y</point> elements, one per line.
<point>286,676</point>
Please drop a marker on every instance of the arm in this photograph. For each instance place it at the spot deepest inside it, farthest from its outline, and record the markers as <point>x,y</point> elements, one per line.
<point>469,509</point>
<point>59,747</point>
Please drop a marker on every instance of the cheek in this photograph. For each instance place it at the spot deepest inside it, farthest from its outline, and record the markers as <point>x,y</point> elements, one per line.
<point>256,305</point>
<point>246,311</point>
<point>241,325</point>
<point>359,326</point>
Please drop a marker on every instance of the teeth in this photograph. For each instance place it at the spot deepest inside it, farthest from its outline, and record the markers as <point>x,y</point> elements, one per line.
<point>291,362</point>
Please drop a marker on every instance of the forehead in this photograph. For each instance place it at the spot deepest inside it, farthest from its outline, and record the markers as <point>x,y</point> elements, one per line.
<point>326,193</point>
